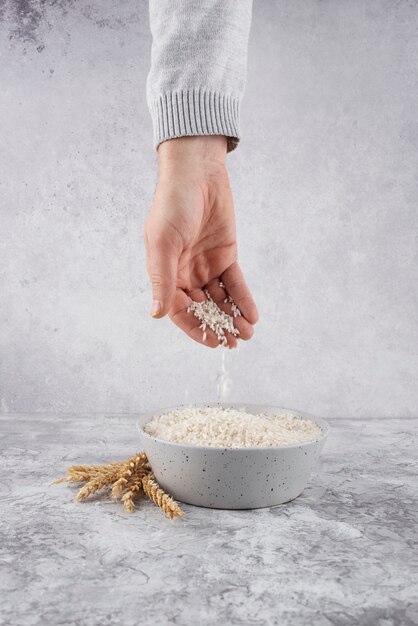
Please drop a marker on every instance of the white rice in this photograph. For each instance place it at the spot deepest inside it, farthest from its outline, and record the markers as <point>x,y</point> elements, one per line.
<point>211,316</point>
<point>230,428</point>
<point>235,310</point>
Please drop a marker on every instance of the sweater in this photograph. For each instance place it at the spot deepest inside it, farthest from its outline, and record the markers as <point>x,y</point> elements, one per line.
<point>198,67</point>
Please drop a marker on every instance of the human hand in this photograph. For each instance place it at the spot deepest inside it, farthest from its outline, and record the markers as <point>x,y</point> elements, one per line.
<point>190,238</point>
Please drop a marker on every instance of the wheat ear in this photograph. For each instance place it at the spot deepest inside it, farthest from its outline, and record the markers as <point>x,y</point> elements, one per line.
<point>84,473</point>
<point>138,464</point>
<point>154,492</point>
<point>131,493</point>
<point>103,477</point>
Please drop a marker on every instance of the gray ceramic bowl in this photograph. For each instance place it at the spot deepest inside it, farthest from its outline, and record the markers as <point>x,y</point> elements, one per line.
<point>232,478</point>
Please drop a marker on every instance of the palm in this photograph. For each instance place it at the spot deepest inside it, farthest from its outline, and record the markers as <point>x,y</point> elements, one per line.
<point>209,240</point>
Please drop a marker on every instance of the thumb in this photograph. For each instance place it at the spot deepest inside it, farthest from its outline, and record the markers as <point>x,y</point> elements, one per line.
<point>162,268</point>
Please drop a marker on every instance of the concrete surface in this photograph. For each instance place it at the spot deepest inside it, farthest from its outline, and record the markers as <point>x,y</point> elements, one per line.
<point>326,190</point>
<point>341,554</point>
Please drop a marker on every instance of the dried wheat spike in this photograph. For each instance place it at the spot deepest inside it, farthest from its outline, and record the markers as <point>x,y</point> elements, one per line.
<point>118,487</point>
<point>131,493</point>
<point>154,492</point>
<point>95,483</point>
<point>64,479</point>
<point>93,469</point>
<point>73,477</point>
<point>137,465</point>
<point>84,473</point>
<point>77,476</point>
<point>122,484</point>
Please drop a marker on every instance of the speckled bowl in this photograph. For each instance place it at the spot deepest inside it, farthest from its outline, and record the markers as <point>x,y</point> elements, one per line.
<point>232,478</point>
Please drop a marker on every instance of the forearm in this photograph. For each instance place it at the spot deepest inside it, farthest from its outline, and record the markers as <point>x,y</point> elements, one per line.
<point>198,67</point>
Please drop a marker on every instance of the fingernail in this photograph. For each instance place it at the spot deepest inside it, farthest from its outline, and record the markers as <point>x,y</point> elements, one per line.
<point>156,308</point>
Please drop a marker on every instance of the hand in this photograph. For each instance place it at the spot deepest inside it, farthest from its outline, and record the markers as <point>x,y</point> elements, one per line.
<point>190,237</point>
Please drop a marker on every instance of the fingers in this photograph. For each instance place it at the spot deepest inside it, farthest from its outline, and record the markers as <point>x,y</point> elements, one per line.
<point>162,263</point>
<point>162,256</point>
<point>235,285</point>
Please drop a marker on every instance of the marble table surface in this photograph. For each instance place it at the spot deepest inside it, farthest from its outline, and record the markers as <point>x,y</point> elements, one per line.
<point>344,553</point>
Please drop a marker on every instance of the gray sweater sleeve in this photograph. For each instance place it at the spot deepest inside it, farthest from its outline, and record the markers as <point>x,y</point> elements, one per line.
<point>198,67</point>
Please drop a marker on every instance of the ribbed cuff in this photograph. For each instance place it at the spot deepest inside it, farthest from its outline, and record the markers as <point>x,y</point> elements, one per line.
<point>193,112</point>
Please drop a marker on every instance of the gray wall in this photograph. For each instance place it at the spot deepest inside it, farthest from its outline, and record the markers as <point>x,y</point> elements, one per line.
<point>326,193</point>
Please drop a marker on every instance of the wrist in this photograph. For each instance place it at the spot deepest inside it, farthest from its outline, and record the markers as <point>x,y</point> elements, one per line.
<point>205,150</point>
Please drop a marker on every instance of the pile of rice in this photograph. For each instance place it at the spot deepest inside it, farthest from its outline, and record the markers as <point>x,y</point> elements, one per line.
<point>231,428</point>
<point>211,316</point>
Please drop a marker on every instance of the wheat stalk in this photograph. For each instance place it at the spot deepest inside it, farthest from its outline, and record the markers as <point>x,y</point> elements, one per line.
<point>154,492</point>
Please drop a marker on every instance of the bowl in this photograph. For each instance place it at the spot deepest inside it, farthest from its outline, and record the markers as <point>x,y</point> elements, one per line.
<point>232,478</point>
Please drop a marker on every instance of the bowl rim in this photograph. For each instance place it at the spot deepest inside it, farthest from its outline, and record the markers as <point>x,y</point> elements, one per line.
<point>233,405</point>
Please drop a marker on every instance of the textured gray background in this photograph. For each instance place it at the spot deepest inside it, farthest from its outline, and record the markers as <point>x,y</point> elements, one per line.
<point>326,191</point>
